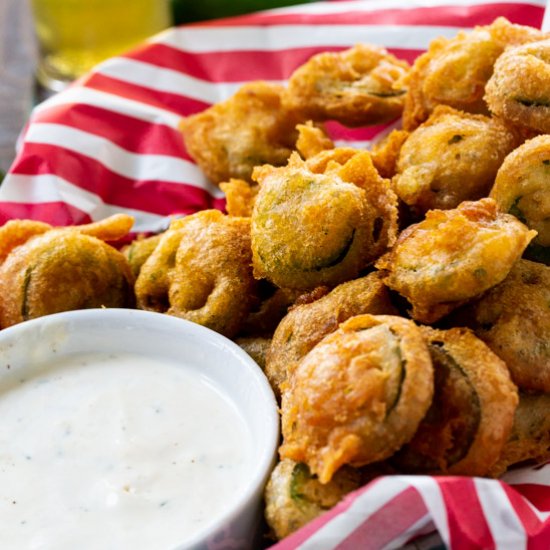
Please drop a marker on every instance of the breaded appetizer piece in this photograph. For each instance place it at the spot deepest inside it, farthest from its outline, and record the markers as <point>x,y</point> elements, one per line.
<point>450,158</point>
<point>256,347</point>
<point>240,196</point>
<point>455,71</point>
<point>312,139</point>
<point>306,325</point>
<point>139,250</point>
<point>522,188</point>
<point>471,415</point>
<point>385,153</point>
<point>200,271</point>
<point>249,129</point>
<point>518,90</point>
<point>311,229</point>
<point>356,87</point>
<point>513,319</point>
<point>358,395</point>
<point>530,437</point>
<point>49,269</point>
<point>294,497</point>
<point>453,256</point>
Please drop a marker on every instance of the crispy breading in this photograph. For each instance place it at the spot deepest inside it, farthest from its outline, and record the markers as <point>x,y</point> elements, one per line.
<point>358,395</point>
<point>471,416</point>
<point>453,256</point>
<point>355,87</point>
<point>450,158</point>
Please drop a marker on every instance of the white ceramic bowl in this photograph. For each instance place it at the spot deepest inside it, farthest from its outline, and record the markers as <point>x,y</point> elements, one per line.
<point>164,336</point>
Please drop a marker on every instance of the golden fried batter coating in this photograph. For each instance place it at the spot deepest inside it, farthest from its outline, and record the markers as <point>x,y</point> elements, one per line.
<point>294,497</point>
<point>256,347</point>
<point>530,437</point>
<point>522,188</point>
<point>200,271</point>
<point>355,87</point>
<point>452,157</point>
<point>49,270</point>
<point>240,197</point>
<point>312,140</point>
<point>513,319</point>
<point>455,71</point>
<point>306,325</point>
<point>249,129</point>
<point>139,250</point>
<point>471,416</point>
<point>358,395</point>
<point>311,229</point>
<point>518,90</point>
<point>385,154</point>
<point>453,256</point>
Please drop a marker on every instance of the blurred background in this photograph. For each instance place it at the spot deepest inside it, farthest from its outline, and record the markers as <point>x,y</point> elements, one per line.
<point>45,44</point>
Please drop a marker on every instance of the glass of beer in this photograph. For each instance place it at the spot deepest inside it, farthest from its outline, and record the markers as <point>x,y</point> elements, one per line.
<point>75,35</point>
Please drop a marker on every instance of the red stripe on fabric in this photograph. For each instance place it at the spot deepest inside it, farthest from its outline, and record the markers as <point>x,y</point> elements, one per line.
<point>538,532</point>
<point>302,535</point>
<point>176,103</point>
<point>54,213</point>
<point>467,525</point>
<point>157,197</point>
<point>132,134</point>
<point>238,66</point>
<point>387,523</point>
<point>538,495</point>
<point>451,16</point>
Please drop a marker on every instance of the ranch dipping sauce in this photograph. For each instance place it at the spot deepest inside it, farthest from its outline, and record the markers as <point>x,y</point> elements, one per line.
<point>115,451</point>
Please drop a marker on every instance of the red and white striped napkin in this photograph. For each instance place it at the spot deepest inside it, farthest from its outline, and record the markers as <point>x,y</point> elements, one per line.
<point>111,144</point>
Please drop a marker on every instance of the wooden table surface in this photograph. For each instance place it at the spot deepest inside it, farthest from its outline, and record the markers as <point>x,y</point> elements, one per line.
<point>17,61</point>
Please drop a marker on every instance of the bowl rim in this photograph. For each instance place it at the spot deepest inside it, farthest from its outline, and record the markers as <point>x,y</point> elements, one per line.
<point>255,483</point>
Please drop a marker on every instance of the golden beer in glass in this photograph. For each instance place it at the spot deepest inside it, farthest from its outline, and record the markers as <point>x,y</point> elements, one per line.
<point>75,35</point>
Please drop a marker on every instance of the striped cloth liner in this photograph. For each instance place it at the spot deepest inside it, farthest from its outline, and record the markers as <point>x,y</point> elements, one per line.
<point>111,144</point>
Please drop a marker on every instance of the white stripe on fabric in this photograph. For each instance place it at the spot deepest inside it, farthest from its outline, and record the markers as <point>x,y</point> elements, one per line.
<point>167,80</point>
<point>44,188</point>
<point>366,504</point>
<point>319,8</point>
<point>111,102</point>
<point>115,158</point>
<point>433,499</point>
<point>282,37</point>
<point>535,474</point>
<point>416,528</point>
<point>506,528</point>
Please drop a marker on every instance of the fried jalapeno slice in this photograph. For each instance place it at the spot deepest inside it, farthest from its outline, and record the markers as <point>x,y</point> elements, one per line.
<point>513,319</point>
<point>453,256</point>
<point>200,271</point>
<point>355,87</point>
<point>306,325</point>
<point>530,437</point>
<point>249,129</point>
<point>471,415</point>
<point>522,188</point>
<point>49,270</point>
<point>455,71</point>
<point>294,496</point>
<point>452,157</point>
<point>358,395</point>
<point>518,90</point>
<point>311,229</point>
